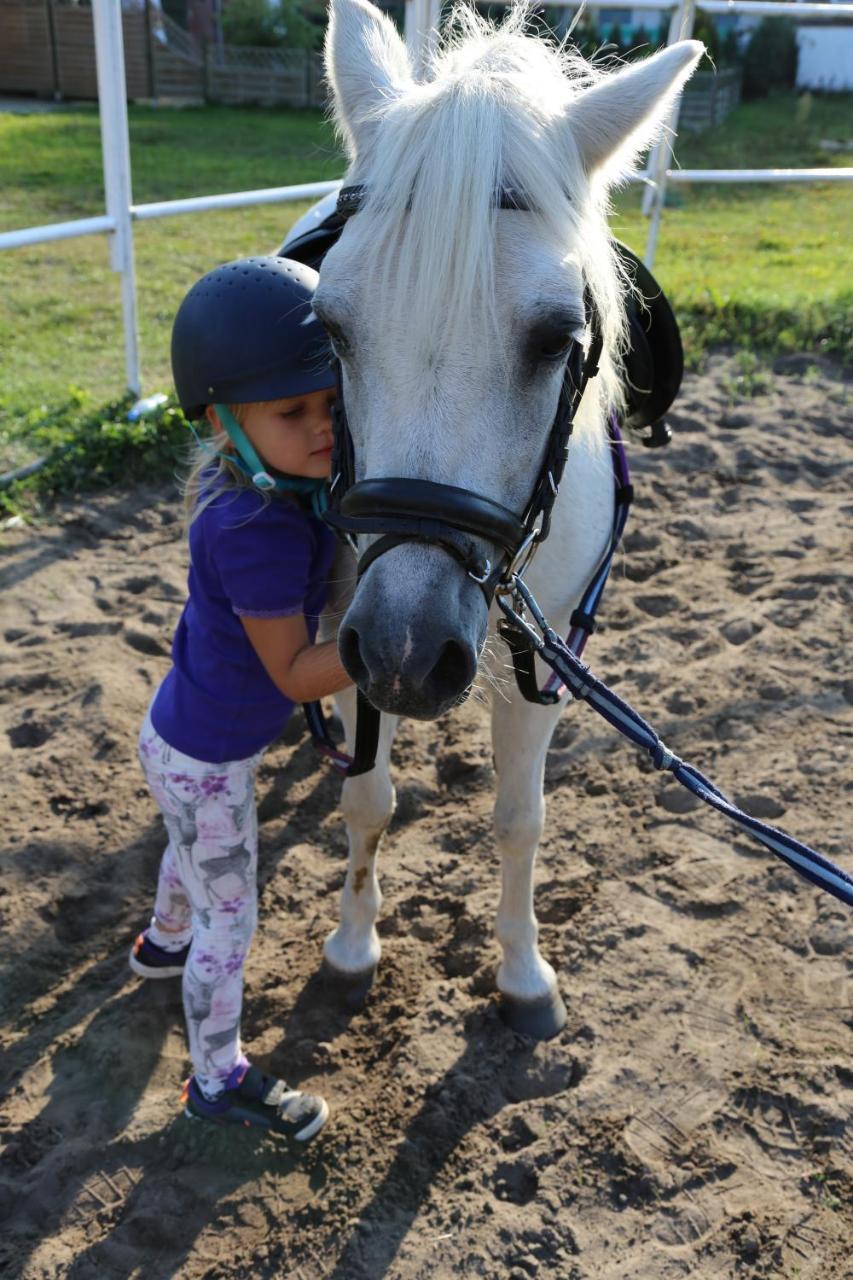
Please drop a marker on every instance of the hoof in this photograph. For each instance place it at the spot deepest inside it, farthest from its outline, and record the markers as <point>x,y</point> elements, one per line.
<point>351,989</point>
<point>539,1019</point>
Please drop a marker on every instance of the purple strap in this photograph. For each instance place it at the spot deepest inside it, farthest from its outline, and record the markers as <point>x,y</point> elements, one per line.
<point>588,607</point>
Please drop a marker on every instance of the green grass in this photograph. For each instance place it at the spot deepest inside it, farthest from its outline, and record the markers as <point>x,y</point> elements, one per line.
<point>60,316</point>
<point>766,268</point>
<point>91,447</point>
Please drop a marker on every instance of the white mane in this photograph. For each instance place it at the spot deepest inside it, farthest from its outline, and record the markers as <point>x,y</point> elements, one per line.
<point>477,122</point>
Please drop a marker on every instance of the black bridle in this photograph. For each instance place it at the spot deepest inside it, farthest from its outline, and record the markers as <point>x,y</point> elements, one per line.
<point>401,509</point>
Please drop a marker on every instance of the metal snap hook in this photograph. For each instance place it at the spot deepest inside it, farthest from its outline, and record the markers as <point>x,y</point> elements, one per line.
<point>520,562</point>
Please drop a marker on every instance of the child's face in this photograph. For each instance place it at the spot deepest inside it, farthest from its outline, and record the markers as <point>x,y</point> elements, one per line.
<point>293,435</point>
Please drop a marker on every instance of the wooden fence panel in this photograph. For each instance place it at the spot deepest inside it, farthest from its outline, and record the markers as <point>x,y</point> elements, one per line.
<point>319,93</point>
<point>26,61</point>
<point>75,51</point>
<point>178,62</point>
<point>177,77</point>
<point>708,99</point>
<point>48,46</point>
<point>137,60</point>
<point>237,74</point>
<point>248,74</point>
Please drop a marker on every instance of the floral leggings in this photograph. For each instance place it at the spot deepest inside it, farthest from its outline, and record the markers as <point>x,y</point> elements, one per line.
<point>206,891</point>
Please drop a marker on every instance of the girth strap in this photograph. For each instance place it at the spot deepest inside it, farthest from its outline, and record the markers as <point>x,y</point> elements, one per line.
<point>366,737</point>
<point>524,665</point>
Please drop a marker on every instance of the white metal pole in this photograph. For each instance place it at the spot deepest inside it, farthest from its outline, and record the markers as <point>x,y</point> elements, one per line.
<point>433,19</point>
<point>658,149</point>
<point>233,200</point>
<point>412,29</point>
<point>422,19</point>
<point>115,145</point>
<point>680,28</point>
<point>55,231</point>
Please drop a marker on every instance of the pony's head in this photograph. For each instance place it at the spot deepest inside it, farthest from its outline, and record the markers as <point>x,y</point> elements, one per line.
<point>451,316</point>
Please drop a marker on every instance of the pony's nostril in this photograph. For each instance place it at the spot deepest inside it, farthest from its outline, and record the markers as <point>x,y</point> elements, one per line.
<point>454,670</point>
<point>349,647</point>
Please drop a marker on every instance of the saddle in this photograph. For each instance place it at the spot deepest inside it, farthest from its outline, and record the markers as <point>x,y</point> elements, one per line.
<point>654,362</point>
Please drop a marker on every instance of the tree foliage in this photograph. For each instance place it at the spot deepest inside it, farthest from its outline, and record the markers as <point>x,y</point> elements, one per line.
<point>270,25</point>
<point>770,61</point>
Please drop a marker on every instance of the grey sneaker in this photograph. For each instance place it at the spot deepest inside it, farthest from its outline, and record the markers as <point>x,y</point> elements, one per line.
<point>151,961</point>
<point>253,1099</point>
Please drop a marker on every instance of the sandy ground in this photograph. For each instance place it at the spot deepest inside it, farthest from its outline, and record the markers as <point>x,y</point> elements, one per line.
<point>692,1120</point>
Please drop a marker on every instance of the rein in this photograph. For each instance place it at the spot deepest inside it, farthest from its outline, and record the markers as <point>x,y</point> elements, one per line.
<point>515,598</point>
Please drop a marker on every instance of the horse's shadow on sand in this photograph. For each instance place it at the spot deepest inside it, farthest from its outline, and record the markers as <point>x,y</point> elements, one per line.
<point>188,1173</point>
<point>495,1069</point>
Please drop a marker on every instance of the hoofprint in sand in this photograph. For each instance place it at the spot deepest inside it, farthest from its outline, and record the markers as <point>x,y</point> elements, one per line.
<point>692,1119</point>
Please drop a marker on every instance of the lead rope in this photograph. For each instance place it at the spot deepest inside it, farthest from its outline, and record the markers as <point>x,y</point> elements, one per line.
<point>584,686</point>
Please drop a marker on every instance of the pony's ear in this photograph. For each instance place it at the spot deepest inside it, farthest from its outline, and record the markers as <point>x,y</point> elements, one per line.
<point>615,120</point>
<point>366,64</point>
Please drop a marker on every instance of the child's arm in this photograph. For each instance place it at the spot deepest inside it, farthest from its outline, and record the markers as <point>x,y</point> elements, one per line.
<point>301,670</point>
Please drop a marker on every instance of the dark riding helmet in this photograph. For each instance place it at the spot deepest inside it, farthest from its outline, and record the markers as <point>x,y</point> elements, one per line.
<point>247,332</point>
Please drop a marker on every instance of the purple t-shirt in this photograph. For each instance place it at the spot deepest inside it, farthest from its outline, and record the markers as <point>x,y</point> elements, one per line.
<point>249,559</point>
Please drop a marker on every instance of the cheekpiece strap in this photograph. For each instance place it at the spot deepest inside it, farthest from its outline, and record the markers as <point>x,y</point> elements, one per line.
<point>349,200</point>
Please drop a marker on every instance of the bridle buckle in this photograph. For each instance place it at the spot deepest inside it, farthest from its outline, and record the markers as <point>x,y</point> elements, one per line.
<point>520,562</point>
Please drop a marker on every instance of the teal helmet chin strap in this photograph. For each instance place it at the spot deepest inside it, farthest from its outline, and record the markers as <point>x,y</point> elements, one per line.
<point>249,462</point>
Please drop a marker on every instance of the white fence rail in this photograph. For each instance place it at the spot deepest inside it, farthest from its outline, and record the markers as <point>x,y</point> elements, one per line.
<point>421,21</point>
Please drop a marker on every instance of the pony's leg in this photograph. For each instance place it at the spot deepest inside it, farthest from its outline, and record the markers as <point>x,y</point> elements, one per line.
<point>352,951</point>
<point>530,1000</point>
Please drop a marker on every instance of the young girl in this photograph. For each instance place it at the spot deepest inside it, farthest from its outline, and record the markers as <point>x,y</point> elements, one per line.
<point>248,355</point>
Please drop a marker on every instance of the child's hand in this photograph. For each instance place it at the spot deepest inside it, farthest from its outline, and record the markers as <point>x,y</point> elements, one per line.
<point>302,671</point>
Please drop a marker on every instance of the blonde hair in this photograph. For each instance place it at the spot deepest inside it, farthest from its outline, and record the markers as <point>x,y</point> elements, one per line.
<point>212,472</point>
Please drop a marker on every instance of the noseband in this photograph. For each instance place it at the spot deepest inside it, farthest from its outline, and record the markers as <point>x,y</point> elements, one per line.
<point>401,509</point>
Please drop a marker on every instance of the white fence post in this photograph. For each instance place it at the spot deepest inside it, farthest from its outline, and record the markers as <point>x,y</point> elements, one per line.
<point>115,144</point>
<point>422,21</point>
<point>680,28</point>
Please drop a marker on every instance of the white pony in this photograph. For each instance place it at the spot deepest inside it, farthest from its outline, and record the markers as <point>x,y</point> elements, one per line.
<point>452,317</point>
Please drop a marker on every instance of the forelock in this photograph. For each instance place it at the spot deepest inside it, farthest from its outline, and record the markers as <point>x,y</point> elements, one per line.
<point>477,122</point>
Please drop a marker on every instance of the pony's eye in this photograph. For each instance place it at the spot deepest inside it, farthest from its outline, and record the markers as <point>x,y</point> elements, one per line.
<point>556,347</point>
<point>340,346</point>
<point>550,340</point>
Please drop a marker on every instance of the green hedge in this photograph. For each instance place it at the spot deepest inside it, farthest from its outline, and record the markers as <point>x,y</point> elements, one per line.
<point>90,448</point>
<point>825,326</point>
